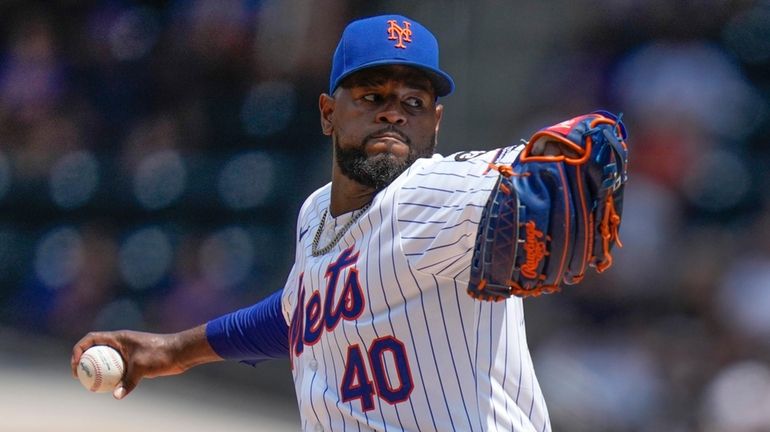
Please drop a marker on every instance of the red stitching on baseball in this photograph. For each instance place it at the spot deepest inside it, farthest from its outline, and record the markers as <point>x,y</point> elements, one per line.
<point>118,362</point>
<point>97,373</point>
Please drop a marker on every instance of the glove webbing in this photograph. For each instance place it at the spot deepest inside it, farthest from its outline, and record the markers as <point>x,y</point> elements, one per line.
<point>531,241</point>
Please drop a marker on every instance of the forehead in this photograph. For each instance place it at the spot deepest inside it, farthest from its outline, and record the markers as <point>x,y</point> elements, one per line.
<point>407,75</point>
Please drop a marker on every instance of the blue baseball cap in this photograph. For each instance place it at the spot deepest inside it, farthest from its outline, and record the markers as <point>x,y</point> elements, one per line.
<point>388,40</point>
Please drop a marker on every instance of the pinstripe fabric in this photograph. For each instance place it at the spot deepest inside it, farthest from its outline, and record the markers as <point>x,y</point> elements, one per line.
<point>395,343</point>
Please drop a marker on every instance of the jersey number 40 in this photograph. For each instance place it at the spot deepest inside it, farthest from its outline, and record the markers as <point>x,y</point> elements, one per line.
<point>356,382</point>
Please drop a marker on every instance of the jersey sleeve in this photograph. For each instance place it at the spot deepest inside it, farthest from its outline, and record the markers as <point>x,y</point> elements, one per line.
<point>440,206</point>
<point>251,334</point>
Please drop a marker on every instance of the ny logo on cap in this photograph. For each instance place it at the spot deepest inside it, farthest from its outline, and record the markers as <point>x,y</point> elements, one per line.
<point>402,34</point>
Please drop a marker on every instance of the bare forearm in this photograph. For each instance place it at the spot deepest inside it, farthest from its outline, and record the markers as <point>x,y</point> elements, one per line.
<point>191,348</point>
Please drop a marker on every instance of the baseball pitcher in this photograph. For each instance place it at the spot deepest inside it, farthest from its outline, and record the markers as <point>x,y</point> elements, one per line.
<point>403,309</point>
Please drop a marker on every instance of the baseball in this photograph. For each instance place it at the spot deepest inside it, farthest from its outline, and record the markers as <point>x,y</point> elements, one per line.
<point>100,369</point>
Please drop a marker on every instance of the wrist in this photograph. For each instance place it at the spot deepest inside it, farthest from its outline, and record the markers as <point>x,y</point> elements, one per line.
<point>190,348</point>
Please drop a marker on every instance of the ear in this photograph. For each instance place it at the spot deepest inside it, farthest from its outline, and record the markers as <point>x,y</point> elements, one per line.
<point>439,115</point>
<point>326,108</point>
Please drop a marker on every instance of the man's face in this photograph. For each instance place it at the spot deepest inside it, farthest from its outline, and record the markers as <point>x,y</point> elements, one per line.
<point>381,120</point>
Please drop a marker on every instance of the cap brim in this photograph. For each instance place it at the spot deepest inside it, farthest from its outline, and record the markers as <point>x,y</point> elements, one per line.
<point>442,82</point>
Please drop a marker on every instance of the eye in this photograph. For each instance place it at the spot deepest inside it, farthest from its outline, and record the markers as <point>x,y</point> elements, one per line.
<point>414,102</point>
<point>371,97</point>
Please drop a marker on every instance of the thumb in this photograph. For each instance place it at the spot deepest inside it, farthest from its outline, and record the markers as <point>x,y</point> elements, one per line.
<point>119,392</point>
<point>124,387</point>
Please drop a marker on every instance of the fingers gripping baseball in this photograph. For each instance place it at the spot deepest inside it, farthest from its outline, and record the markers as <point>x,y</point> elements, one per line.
<point>564,197</point>
<point>146,356</point>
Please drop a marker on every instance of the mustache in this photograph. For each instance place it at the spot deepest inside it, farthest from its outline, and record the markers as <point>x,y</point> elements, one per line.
<point>388,130</point>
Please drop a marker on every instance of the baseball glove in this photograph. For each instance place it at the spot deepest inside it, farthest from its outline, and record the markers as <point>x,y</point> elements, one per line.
<point>555,211</point>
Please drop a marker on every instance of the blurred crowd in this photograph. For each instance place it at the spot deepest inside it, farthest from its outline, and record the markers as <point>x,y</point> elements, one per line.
<point>143,157</point>
<point>154,155</point>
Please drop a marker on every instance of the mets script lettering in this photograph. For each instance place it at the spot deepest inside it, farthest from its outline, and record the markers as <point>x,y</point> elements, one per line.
<point>311,317</point>
<point>365,375</point>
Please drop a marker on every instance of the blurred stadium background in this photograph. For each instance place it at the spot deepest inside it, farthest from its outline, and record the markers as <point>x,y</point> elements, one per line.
<point>154,155</point>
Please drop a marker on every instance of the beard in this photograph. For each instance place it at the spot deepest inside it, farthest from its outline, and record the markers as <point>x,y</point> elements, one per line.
<point>380,170</point>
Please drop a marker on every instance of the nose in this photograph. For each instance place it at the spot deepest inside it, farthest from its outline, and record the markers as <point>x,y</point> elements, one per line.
<point>391,114</point>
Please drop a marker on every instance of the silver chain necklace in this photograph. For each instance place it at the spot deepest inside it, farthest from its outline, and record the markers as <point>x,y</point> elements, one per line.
<point>338,236</point>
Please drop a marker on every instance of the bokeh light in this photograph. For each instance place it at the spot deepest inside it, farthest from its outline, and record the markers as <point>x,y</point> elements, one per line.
<point>134,33</point>
<point>247,180</point>
<point>738,398</point>
<point>744,297</point>
<point>145,257</point>
<point>717,180</point>
<point>74,179</point>
<point>618,373</point>
<point>59,256</point>
<point>269,108</point>
<point>227,257</point>
<point>160,179</point>
<point>689,82</point>
<point>120,314</point>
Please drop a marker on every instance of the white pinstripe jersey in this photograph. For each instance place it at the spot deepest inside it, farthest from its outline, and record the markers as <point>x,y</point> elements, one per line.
<point>383,335</point>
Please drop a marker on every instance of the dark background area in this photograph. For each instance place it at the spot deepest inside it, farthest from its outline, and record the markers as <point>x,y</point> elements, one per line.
<point>154,155</point>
